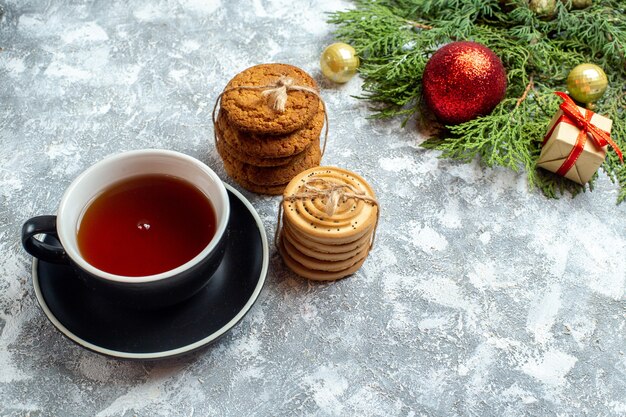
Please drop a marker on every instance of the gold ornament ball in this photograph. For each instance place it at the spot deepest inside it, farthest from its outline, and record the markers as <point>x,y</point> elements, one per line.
<point>581,4</point>
<point>586,83</point>
<point>545,9</point>
<point>339,62</point>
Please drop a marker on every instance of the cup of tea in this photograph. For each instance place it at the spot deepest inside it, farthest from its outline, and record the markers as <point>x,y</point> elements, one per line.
<point>146,227</point>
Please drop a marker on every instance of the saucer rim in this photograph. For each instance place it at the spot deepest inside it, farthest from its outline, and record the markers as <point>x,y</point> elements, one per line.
<point>183,349</point>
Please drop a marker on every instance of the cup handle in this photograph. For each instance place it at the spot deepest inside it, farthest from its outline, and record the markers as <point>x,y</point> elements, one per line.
<point>40,250</point>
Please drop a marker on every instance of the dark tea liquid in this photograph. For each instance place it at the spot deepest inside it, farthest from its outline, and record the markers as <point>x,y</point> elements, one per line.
<point>146,225</point>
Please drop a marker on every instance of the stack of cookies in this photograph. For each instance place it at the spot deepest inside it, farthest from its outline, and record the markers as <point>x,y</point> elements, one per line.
<point>329,220</point>
<point>263,148</point>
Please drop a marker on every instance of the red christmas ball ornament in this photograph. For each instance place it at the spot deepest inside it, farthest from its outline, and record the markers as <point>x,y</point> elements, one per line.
<point>463,80</point>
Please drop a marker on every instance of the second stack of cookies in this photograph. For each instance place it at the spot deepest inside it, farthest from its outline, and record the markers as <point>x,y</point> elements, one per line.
<point>263,149</point>
<point>329,221</point>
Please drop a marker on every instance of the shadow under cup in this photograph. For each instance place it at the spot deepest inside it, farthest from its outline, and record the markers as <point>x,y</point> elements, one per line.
<point>143,292</point>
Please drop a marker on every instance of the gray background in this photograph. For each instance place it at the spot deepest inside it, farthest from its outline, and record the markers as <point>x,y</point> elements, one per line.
<point>481,297</point>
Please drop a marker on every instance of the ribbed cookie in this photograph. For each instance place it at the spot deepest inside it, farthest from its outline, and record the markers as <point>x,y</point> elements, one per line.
<point>325,252</point>
<point>352,218</point>
<point>320,262</point>
<point>248,110</point>
<point>270,146</point>
<point>305,272</point>
<point>271,176</point>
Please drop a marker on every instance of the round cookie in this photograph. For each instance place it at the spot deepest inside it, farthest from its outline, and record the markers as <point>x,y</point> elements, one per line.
<point>323,241</point>
<point>318,263</point>
<point>325,252</point>
<point>255,188</point>
<point>249,159</point>
<point>270,146</point>
<point>248,110</point>
<point>314,274</point>
<point>271,176</point>
<point>352,218</point>
<point>311,157</point>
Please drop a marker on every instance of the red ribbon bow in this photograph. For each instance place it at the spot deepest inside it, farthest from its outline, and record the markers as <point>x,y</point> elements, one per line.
<point>573,116</point>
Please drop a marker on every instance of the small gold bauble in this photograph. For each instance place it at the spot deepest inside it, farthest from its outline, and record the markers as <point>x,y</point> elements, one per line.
<point>545,9</point>
<point>586,83</point>
<point>339,62</point>
<point>581,4</point>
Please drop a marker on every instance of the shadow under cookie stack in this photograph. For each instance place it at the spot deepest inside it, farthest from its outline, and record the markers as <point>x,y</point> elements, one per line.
<point>264,139</point>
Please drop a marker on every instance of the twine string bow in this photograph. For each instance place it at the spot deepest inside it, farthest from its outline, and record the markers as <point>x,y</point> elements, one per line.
<point>334,194</point>
<point>276,94</point>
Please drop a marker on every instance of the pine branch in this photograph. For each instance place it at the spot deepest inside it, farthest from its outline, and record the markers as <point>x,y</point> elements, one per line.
<point>395,38</point>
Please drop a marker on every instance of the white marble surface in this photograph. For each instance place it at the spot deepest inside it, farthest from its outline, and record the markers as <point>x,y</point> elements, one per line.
<point>481,298</point>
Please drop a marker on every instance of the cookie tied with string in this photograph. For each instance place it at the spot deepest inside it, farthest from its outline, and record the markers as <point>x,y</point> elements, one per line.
<point>329,217</point>
<point>267,124</point>
<point>246,108</point>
